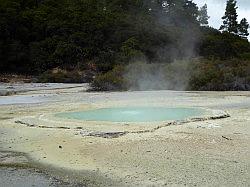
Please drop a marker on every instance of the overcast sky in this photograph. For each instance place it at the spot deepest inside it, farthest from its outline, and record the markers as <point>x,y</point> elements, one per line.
<point>216,9</point>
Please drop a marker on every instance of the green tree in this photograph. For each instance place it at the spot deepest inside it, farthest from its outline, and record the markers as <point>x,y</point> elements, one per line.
<point>203,16</point>
<point>230,23</point>
<point>243,28</point>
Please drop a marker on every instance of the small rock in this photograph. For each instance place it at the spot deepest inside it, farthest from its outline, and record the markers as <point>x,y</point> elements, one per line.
<point>226,138</point>
<point>60,147</point>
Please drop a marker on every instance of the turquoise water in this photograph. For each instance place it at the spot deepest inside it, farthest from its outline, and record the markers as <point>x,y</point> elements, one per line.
<point>133,114</point>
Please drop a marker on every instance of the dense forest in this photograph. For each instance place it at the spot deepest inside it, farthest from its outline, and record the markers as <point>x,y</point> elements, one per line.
<point>125,44</point>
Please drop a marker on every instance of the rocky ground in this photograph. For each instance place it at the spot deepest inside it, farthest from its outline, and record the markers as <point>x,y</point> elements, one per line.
<point>210,152</point>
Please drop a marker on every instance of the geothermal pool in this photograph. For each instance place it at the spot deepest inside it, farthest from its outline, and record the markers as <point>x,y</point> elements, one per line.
<point>134,114</point>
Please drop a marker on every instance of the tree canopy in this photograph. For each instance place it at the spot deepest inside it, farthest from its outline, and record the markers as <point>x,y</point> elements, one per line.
<point>51,33</point>
<point>203,16</point>
<point>230,23</point>
<point>243,28</point>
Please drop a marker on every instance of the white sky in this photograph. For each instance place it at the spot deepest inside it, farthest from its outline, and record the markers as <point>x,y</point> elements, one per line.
<point>216,9</point>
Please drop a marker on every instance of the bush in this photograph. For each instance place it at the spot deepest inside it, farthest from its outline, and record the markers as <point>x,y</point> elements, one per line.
<point>61,76</point>
<point>110,81</point>
<point>219,75</point>
<point>245,56</point>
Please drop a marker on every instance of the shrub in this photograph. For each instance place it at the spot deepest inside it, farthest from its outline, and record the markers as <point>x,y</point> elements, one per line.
<point>110,81</point>
<point>221,75</point>
<point>61,76</point>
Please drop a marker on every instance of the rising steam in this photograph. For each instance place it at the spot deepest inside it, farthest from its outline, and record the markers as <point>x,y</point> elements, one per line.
<point>145,76</point>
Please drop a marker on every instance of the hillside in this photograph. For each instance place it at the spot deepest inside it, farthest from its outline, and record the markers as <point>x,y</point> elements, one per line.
<point>77,40</point>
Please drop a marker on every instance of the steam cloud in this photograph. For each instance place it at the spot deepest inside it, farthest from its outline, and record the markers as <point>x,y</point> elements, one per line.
<point>171,72</point>
<point>144,76</point>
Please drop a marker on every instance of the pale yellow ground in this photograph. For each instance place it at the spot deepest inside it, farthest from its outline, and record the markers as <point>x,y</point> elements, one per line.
<point>205,153</point>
